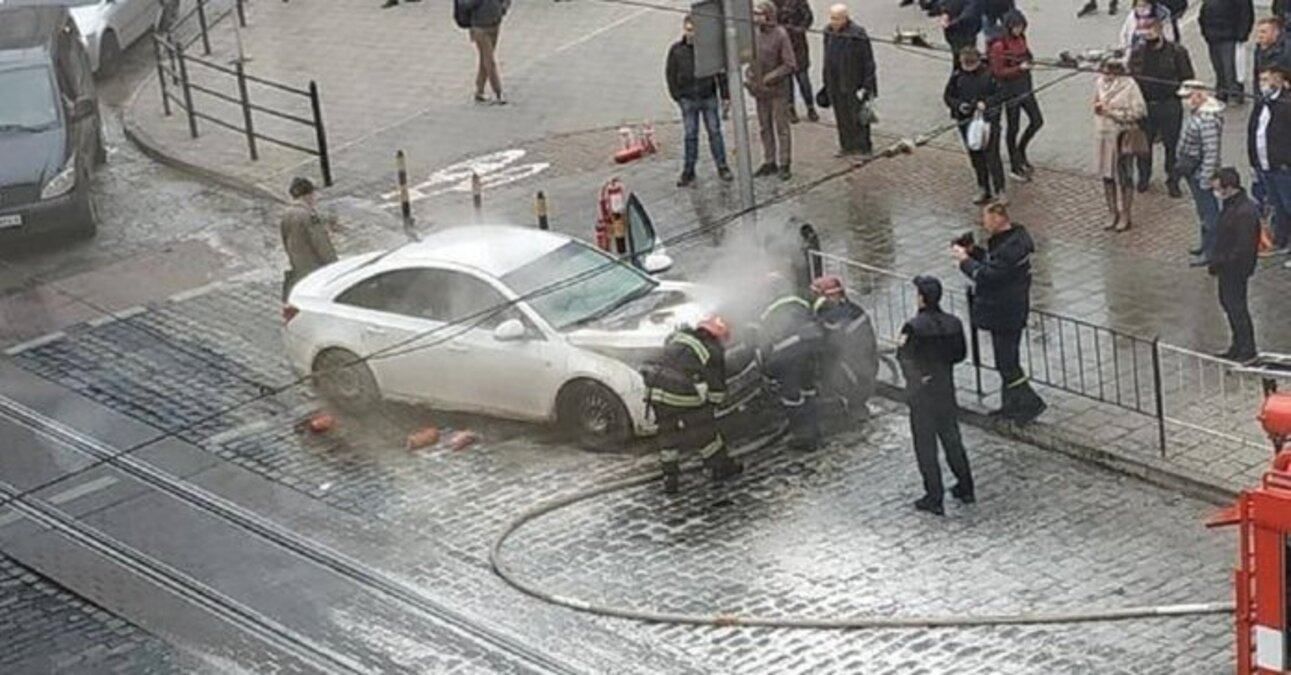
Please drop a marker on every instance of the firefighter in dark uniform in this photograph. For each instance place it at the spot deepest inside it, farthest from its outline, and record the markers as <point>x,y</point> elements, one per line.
<point>930,345</point>
<point>789,346</point>
<point>848,369</point>
<point>685,384</point>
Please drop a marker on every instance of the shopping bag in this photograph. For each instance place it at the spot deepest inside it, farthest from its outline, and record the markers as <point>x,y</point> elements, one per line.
<point>978,133</point>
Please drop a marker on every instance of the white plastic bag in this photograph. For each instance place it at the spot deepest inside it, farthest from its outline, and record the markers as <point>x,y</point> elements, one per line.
<point>978,133</point>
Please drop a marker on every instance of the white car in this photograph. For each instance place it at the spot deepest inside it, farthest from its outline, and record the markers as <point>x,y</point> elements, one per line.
<point>108,27</point>
<point>573,324</point>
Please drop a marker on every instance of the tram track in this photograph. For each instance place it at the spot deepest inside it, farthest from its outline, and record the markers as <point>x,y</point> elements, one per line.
<point>364,576</point>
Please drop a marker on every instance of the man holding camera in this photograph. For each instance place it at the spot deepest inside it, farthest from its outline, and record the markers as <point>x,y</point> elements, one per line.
<point>1001,303</point>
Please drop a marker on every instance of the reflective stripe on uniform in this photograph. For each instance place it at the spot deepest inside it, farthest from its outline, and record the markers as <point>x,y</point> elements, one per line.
<point>809,392</point>
<point>851,374</point>
<point>783,302</point>
<point>712,447</point>
<point>676,400</point>
<point>1018,382</point>
<point>857,323</point>
<point>786,343</point>
<point>716,397</point>
<point>695,345</point>
<point>815,306</point>
<point>669,456</point>
<point>792,403</point>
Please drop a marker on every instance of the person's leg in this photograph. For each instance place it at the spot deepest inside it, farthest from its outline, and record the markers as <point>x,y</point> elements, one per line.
<point>804,81</point>
<point>1013,117</point>
<point>1125,170</point>
<point>1226,70</point>
<point>1170,125</point>
<point>1207,211</point>
<point>784,141</point>
<point>1277,190</point>
<point>1035,121</point>
<point>712,113</point>
<point>495,76</point>
<point>847,119</point>
<point>1216,52</point>
<point>767,132</point>
<point>953,445</point>
<point>1232,298</point>
<point>668,437</point>
<point>923,429</point>
<point>690,134</point>
<point>1152,129</point>
<point>993,161</point>
<point>482,53</point>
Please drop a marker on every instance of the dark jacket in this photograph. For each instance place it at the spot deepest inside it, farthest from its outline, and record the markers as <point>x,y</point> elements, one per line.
<point>689,358</point>
<point>486,13</point>
<point>1277,55</point>
<point>1226,20</point>
<point>1278,134</point>
<point>965,20</point>
<point>930,345</point>
<point>1282,8</point>
<point>787,332</point>
<point>1237,238</point>
<point>1001,275</point>
<point>796,17</point>
<point>966,89</point>
<point>679,71</point>
<point>774,62</point>
<point>1159,70</point>
<point>849,62</point>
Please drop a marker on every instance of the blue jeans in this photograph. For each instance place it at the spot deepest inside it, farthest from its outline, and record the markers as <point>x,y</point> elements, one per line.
<point>710,109</point>
<point>1277,197</point>
<point>1207,213</point>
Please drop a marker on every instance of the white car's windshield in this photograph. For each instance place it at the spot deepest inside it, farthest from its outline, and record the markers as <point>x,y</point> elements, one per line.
<point>28,103</point>
<point>601,286</point>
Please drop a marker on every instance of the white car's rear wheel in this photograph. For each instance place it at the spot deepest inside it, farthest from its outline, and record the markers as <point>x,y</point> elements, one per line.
<point>593,416</point>
<point>345,381</point>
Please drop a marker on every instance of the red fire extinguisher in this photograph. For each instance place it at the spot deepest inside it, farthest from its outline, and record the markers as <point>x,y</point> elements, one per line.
<point>610,216</point>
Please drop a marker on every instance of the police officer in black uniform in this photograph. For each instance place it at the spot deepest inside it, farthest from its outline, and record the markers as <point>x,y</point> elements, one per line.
<point>930,345</point>
<point>789,346</point>
<point>685,384</point>
<point>1001,275</point>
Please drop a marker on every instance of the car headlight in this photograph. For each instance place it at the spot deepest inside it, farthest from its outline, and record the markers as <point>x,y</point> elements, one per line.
<point>62,182</point>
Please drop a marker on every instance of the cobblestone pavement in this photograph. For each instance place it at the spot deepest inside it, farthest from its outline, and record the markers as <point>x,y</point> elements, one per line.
<point>826,533</point>
<point>46,629</point>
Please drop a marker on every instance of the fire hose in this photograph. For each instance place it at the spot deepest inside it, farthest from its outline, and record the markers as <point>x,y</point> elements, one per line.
<point>1078,615</point>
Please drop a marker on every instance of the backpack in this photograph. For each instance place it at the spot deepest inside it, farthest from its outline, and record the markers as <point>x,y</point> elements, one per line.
<point>462,10</point>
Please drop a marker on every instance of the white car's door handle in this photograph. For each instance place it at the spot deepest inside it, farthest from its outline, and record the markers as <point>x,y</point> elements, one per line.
<point>375,332</point>
<point>458,347</point>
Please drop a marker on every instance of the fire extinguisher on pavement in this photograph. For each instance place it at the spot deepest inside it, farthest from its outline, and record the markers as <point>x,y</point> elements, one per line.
<point>611,221</point>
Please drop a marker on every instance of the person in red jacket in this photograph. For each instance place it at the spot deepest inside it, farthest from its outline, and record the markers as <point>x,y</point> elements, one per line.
<point>1010,60</point>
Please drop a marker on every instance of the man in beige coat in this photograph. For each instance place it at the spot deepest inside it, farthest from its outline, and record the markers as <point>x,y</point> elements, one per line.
<point>768,81</point>
<point>304,235</point>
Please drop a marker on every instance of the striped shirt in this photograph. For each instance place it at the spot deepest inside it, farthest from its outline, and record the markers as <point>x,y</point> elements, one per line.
<point>1200,140</point>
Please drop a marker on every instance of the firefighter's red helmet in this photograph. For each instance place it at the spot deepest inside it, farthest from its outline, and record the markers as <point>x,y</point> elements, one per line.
<point>716,327</point>
<point>828,285</point>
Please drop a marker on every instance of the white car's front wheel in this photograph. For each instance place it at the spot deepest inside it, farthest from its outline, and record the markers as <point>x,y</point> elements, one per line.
<point>593,416</point>
<point>346,381</point>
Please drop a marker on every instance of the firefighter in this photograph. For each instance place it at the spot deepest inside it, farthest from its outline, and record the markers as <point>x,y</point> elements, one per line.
<point>685,384</point>
<point>789,346</point>
<point>848,367</point>
<point>930,345</point>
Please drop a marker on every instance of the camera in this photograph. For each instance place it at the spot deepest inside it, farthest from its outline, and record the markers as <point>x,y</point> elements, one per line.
<point>964,240</point>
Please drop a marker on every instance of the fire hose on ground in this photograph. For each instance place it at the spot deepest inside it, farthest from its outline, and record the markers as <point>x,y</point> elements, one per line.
<point>1071,616</point>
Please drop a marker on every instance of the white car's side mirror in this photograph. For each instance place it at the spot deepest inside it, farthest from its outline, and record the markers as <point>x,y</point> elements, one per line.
<point>657,263</point>
<point>510,330</point>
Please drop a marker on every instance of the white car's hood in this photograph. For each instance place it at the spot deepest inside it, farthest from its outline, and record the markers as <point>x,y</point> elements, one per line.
<point>635,335</point>
<point>90,19</point>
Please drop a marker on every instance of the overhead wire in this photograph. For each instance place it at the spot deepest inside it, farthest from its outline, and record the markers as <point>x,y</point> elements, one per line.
<point>474,320</point>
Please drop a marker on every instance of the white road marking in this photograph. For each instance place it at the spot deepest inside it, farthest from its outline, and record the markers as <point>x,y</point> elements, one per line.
<point>9,517</point>
<point>116,316</point>
<point>37,342</point>
<point>494,169</point>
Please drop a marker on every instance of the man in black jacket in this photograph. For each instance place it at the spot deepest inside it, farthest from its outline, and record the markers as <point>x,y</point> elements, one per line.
<point>929,347</point>
<point>1001,304</point>
<point>1268,146</point>
<point>1158,66</point>
<point>1233,261</point>
<point>970,91</point>
<point>796,17</point>
<point>851,80</point>
<point>961,20</point>
<point>1224,24</point>
<point>697,97</point>
<point>1271,47</point>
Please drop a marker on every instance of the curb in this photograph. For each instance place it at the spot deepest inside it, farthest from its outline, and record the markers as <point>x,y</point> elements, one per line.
<point>1078,446</point>
<point>157,151</point>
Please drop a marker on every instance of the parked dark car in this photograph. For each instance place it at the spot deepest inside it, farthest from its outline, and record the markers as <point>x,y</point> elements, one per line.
<point>50,131</point>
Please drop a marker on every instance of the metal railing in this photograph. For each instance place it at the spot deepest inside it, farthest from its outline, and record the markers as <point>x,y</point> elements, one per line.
<point>1183,393</point>
<point>175,66</point>
<point>199,19</point>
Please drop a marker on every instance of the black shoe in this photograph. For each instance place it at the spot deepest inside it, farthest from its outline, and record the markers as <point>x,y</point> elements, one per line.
<point>389,3</point>
<point>725,174</point>
<point>1244,357</point>
<point>804,445</point>
<point>1195,251</point>
<point>784,173</point>
<point>905,3</point>
<point>1142,186</point>
<point>927,505</point>
<point>727,469</point>
<point>767,169</point>
<point>1089,8</point>
<point>983,198</point>
<point>1225,355</point>
<point>1173,190</point>
<point>686,180</point>
<point>964,496</point>
<point>671,483</point>
<point>812,115</point>
<point>1025,417</point>
<point>1199,262</point>
<point>793,116</point>
<point>1111,7</point>
<point>1020,174</point>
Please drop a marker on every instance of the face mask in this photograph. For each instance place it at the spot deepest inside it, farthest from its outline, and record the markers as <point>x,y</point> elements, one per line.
<point>1219,194</point>
<point>1154,41</point>
<point>1269,91</point>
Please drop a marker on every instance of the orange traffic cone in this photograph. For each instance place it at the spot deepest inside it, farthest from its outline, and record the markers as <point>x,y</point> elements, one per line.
<point>322,423</point>
<point>423,437</point>
<point>462,440</point>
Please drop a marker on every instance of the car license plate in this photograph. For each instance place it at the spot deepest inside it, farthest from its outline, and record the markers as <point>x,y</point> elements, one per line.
<point>10,221</point>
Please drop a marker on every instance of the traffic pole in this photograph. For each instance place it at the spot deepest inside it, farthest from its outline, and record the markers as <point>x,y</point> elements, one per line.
<point>739,113</point>
<point>405,203</point>
<point>477,196</point>
<point>540,209</point>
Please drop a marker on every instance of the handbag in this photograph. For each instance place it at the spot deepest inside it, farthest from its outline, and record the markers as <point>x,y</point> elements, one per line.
<point>822,98</point>
<point>977,133</point>
<point>866,113</point>
<point>1134,141</point>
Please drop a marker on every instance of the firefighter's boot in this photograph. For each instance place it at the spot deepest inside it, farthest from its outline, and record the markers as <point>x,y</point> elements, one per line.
<point>671,477</point>
<point>722,467</point>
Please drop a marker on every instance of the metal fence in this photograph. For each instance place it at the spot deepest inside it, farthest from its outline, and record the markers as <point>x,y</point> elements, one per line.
<point>196,24</point>
<point>1190,399</point>
<point>229,88</point>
